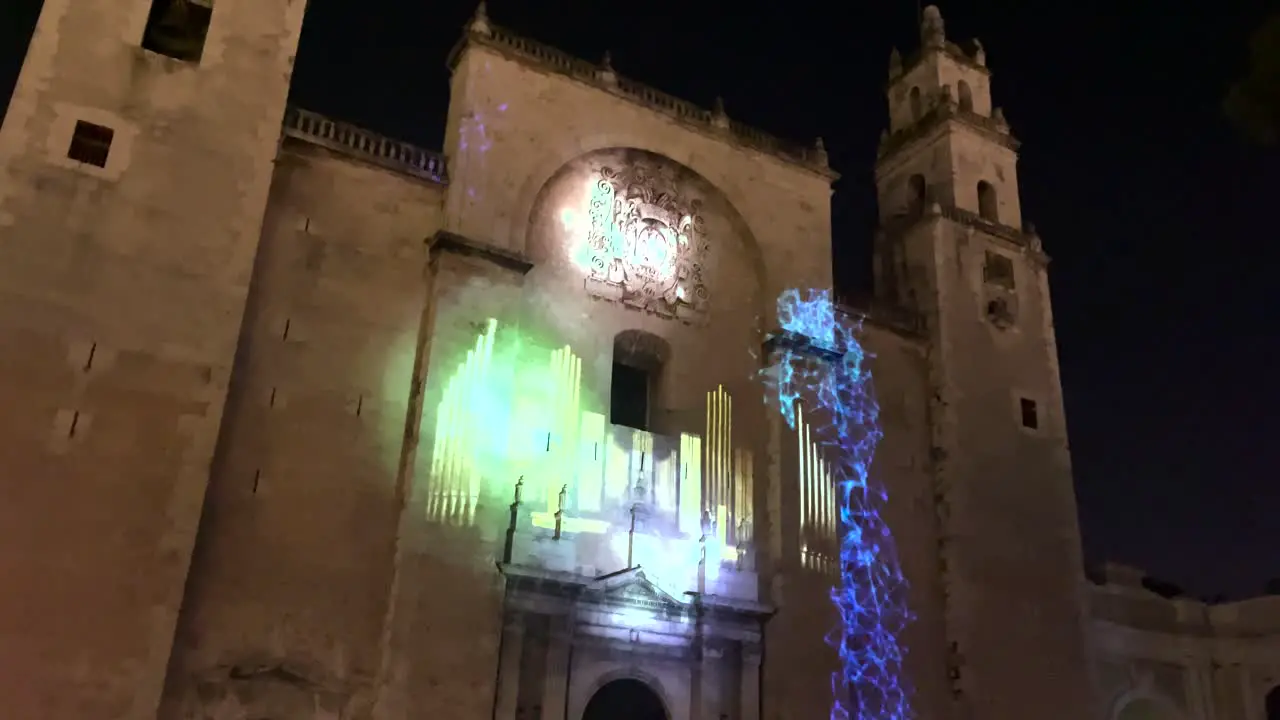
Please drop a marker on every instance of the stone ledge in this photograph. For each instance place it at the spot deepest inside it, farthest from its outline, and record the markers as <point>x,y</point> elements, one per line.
<point>446,241</point>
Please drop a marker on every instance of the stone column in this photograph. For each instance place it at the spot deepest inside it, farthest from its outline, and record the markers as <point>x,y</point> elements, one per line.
<point>1246,694</point>
<point>553,693</point>
<point>750,688</point>
<point>509,667</point>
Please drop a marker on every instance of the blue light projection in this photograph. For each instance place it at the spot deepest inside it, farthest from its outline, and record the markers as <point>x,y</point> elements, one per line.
<point>820,361</point>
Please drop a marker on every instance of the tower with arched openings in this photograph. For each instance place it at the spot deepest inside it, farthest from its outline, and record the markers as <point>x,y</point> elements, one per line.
<point>328,425</point>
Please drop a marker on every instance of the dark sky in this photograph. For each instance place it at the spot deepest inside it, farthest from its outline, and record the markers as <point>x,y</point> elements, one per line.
<point>1159,220</point>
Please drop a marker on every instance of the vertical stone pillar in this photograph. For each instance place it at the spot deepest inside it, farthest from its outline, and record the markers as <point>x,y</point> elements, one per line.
<point>557,682</point>
<point>750,685</point>
<point>509,667</point>
<point>713,671</point>
<point>1247,703</point>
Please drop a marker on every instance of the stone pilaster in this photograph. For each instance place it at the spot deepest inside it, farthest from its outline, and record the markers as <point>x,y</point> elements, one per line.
<point>553,693</point>
<point>750,686</point>
<point>509,667</point>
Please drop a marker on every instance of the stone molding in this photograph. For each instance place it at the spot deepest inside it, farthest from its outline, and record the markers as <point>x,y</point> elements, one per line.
<point>603,77</point>
<point>445,241</point>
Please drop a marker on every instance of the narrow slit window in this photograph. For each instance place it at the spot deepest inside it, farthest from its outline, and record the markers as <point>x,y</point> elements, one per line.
<point>1030,414</point>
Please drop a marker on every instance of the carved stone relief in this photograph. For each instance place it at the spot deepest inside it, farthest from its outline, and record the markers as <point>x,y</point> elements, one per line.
<point>647,244</point>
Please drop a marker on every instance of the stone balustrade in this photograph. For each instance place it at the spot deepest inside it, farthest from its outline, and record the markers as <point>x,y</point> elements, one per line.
<point>368,146</point>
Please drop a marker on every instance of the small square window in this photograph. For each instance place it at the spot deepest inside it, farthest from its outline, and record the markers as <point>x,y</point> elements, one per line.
<point>90,143</point>
<point>1030,414</point>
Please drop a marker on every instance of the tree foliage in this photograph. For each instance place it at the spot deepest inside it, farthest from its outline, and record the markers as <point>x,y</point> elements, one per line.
<point>1253,101</point>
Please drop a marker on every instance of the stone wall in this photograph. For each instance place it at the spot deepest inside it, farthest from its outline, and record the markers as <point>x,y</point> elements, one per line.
<point>294,560</point>
<point>124,280</point>
<point>1176,658</point>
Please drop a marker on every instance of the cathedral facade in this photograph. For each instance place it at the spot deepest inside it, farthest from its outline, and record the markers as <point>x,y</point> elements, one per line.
<point>300,421</point>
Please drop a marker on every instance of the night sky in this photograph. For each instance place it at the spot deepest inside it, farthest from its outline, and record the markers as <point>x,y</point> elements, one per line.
<point>1159,220</point>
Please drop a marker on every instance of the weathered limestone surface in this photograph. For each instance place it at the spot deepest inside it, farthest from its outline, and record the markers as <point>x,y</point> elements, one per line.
<point>1162,657</point>
<point>238,343</point>
<point>296,549</point>
<point>122,292</point>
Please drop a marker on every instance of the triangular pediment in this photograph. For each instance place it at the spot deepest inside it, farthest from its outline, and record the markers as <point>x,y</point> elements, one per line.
<point>631,586</point>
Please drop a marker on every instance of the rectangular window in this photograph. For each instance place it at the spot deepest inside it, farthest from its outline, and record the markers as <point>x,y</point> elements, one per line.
<point>998,270</point>
<point>90,143</point>
<point>178,28</point>
<point>629,397</point>
<point>1030,415</point>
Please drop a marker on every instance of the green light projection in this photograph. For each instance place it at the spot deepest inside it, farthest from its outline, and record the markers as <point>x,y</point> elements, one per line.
<point>515,409</point>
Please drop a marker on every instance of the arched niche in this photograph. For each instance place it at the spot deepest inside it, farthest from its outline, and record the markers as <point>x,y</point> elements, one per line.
<point>645,230</point>
<point>626,698</point>
<point>1144,706</point>
<point>627,239</point>
<point>988,207</point>
<point>709,298</point>
<point>966,96</point>
<point>1272,703</point>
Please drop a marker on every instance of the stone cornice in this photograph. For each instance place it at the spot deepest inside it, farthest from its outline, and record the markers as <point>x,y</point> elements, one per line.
<point>1026,241</point>
<point>712,123</point>
<point>445,241</point>
<point>1171,647</point>
<point>944,115</point>
<point>899,320</point>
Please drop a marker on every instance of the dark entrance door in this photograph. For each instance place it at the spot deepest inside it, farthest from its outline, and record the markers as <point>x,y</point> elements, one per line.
<point>625,699</point>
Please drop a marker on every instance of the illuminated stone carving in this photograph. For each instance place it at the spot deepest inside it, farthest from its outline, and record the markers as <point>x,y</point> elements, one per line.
<point>646,245</point>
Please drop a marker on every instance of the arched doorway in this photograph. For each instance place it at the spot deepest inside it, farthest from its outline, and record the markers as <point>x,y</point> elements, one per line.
<point>625,699</point>
<point>1144,708</point>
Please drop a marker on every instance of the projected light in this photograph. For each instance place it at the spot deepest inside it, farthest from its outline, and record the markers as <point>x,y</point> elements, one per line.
<point>870,596</point>
<point>639,241</point>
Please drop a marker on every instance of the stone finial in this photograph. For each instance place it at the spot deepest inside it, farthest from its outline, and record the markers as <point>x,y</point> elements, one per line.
<point>719,117</point>
<point>519,490</point>
<point>820,152</point>
<point>979,53</point>
<point>895,63</point>
<point>933,31</point>
<point>606,73</point>
<point>997,114</point>
<point>480,21</point>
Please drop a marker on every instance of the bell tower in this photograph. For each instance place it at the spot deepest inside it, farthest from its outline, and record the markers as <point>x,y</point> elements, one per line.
<point>953,247</point>
<point>135,161</point>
